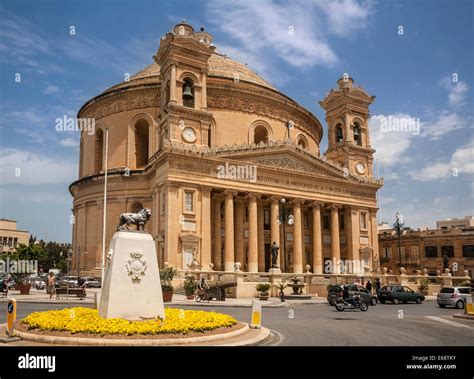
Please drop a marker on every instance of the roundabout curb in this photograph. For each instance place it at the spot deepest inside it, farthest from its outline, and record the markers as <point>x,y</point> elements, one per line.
<point>143,342</point>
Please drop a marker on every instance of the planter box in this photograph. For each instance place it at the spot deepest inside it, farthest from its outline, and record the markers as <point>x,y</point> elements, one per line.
<point>23,288</point>
<point>167,296</point>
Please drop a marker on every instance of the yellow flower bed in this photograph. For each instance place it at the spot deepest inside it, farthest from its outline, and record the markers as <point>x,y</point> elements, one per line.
<point>87,320</point>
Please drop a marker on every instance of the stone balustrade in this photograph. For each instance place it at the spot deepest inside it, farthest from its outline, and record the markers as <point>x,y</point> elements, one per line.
<point>316,284</point>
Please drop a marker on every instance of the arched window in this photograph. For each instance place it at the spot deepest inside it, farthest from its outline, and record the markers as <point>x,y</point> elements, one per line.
<point>141,143</point>
<point>260,134</point>
<point>339,135</point>
<point>302,142</point>
<point>167,93</point>
<point>357,134</point>
<point>188,93</point>
<point>99,148</point>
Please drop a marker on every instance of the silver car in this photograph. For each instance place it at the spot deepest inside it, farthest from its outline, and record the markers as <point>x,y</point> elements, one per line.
<point>454,297</point>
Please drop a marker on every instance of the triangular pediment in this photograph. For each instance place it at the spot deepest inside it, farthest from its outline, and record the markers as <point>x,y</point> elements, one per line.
<point>287,158</point>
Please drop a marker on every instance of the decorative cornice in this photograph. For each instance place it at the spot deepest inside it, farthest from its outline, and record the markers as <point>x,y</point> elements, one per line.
<point>264,105</point>
<point>131,99</point>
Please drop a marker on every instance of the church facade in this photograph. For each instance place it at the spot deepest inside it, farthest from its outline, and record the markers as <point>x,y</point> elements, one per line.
<point>228,165</point>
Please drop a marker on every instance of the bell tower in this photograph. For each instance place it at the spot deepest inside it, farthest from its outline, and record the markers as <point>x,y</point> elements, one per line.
<point>183,58</point>
<point>347,117</point>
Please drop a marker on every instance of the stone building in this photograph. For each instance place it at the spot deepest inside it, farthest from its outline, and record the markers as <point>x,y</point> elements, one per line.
<point>217,153</point>
<point>10,236</point>
<point>456,223</point>
<point>425,249</point>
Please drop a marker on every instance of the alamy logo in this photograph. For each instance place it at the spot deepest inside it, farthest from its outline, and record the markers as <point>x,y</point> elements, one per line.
<point>237,172</point>
<point>45,362</point>
<point>18,266</point>
<point>69,124</point>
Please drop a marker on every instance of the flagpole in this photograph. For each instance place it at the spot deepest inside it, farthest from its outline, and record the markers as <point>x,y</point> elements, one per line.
<point>105,202</point>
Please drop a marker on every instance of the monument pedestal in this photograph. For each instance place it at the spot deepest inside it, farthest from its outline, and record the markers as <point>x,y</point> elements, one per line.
<point>132,288</point>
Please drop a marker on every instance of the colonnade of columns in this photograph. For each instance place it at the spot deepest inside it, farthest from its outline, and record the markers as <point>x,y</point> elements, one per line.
<point>233,232</point>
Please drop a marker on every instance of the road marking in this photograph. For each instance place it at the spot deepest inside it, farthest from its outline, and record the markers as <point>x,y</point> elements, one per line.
<point>449,322</point>
<point>280,336</point>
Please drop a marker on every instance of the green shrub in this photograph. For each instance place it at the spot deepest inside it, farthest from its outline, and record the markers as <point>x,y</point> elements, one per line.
<point>423,284</point>
<point>166,277</point>
<point>263,288</point>
<point>189,286</point>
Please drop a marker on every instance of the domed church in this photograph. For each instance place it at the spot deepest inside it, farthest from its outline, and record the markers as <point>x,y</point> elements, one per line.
<point>227,164</point>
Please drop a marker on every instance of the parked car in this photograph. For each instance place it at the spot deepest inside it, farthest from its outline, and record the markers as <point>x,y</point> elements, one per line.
<point>335,292</point>
<point>73,281</point>
<point>454,297</point>
<point>91,282</point>
<point>37,282</point>
<point>397,294</point>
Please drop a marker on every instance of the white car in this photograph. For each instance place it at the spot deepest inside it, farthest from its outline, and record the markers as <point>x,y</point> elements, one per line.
<point>454,297</point>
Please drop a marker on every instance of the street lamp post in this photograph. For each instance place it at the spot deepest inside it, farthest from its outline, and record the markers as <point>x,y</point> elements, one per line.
<point>284,216</point>
<point>398,229</point>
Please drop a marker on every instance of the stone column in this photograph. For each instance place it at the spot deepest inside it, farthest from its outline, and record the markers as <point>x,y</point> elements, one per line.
<point>204,90</point>
<point>229,231</point>
<point>335,246</point>
<point>317,238</point>
<point>261,237</point>
<point>173,84</point>
<point>253,234</point>
<point>172,226</point>
<point>347,132</point>
<point>297,237</point>
<point>375,262</point>
<point>216,255</point>
<point>239,230</point>
<point>205,227</point>
<point>275,228</point>
<point>353,233</point>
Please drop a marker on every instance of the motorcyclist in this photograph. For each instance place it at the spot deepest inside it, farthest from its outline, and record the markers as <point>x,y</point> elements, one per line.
<point>203,286</point>
<point>346,296</point>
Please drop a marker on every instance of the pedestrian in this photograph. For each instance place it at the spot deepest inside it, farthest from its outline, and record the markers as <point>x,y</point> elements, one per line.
<point>368,285</point>
<point>82,285</point>
<point>50,288</point>
<point>377,285</point>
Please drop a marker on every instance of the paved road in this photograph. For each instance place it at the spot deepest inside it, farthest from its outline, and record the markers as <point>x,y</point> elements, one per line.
<point>321,325</point>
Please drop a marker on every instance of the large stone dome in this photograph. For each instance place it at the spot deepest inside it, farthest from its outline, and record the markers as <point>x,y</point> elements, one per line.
<point>219,66</point>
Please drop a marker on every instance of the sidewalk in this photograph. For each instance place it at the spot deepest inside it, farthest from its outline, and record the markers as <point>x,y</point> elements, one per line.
<point>41,297</point>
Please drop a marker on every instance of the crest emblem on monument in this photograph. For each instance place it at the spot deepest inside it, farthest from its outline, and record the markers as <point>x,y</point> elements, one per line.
<point>136,266</point>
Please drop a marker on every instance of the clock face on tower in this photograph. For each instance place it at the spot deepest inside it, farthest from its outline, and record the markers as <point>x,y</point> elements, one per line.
<point>189,134</point>
<point>360,168</point>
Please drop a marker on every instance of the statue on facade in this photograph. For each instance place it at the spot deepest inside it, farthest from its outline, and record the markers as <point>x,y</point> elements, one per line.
<point>139,219</point>
<point>274,251</point>
<point>195,265</point>
<point>445,260</point>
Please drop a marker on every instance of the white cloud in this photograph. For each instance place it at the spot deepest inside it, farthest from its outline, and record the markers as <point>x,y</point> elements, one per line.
<point>69,142</point>
<point>295,32</point>
<point>50,89</point>
<point>445,123</point>
<point>460,163</point>
<point>23,167</point>
<point>457,91</point>
<point>391,146</point>
<point>345,16</point>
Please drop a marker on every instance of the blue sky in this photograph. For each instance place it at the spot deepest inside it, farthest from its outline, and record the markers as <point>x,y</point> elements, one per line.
<point>301,46</point>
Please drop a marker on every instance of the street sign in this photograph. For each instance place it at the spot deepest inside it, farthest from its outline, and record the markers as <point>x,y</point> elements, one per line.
<point>11,316</point>
<point>256,322</point>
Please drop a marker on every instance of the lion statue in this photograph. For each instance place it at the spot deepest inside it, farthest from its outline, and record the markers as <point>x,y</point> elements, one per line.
<point>139,219</point>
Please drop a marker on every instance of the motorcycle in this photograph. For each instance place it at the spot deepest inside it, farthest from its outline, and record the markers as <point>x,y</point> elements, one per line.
<point>352,303</point>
